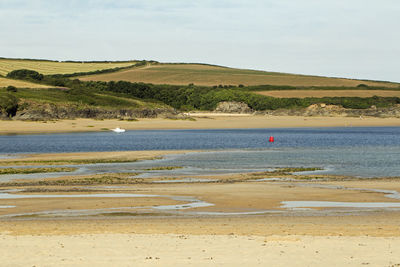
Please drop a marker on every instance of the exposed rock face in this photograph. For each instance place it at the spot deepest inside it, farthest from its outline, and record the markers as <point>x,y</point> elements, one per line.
<point>46,111</point>
<point>333,110</point>
<point>233,107</point>
<point>35,111</point>
<point>3,116</point>
<point>392,112</point>
<point>324,110</point>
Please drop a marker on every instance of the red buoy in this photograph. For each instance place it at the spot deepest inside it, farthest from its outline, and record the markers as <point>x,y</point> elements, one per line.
<point>271,139</point>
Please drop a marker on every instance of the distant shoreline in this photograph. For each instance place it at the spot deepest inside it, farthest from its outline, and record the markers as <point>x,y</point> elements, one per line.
<point>202,121</point>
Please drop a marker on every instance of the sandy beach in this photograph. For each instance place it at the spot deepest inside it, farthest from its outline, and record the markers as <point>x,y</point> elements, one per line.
<point>253,241</point>
<point>202,250</point>
<point>202,121</point>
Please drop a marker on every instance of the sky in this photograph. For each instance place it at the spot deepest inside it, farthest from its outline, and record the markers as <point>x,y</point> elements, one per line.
<point>337,38</point>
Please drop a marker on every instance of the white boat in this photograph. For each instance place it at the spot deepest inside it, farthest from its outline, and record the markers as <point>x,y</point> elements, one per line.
<point>118,130</point>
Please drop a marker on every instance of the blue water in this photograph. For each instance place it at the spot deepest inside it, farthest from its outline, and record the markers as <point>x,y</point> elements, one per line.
<point>367,152</point>
<point>202,139</point>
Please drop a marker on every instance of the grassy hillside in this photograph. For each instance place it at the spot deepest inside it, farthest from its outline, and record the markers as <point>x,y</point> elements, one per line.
<point>55,67</point>
<point>116,99</point>
<point>4,82</point>
<point>207,75</point>
<point>98,99</point>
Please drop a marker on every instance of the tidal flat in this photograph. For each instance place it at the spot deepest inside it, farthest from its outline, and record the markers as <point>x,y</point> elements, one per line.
<point>282,191</point>
<point>190,197</point>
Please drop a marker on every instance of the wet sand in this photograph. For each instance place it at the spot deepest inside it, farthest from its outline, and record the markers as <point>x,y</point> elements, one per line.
<point>64,158</point>
<point>220,198</point>
<point>203,121</point>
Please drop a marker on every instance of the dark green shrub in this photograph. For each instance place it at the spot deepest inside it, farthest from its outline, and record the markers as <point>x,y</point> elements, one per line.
<point>25,74</point>
<point>8,104</point>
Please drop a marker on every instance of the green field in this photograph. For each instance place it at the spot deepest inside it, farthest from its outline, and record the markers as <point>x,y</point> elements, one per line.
<point>208,75</point>
<point>55,67</point>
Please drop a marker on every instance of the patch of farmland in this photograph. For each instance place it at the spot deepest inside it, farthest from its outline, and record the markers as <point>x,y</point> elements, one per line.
<point>329,93</point>
<point>208,75</point>
<point>4,82</point>
<point>54,67</point>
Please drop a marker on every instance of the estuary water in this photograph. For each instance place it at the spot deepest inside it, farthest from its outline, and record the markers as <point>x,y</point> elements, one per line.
<point>362,152</point>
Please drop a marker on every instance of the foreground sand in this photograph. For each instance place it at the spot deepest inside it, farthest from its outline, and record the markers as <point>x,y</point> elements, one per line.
<point>203,121</point>
<point>250,241</point>
<point>329,239</point>
<point>204,250</point>
<point>134,237</point>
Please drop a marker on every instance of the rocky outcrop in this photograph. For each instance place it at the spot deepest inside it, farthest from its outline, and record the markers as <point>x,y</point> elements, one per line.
<point>333,110</point>
<point>3,116</point>
<point>46,111</point>
<point>233,107</point>
<point>324,110</point>
<point>392,112</point>
<point>36,111</point>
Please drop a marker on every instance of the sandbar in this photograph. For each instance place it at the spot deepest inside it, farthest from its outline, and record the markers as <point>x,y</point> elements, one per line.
<point>202,121</point>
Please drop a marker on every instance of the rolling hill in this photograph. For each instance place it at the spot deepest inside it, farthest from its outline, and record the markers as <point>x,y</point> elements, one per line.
<point>183,87</point>
<point>208,75</point>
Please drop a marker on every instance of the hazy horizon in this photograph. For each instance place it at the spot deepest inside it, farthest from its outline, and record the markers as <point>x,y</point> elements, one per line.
<point>352,39</point>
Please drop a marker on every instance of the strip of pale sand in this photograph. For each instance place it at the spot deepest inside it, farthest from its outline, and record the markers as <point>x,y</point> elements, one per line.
<point>208,121</point>
<point>376,224</point>
<point>371,240</point>
<point>203,250</point>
